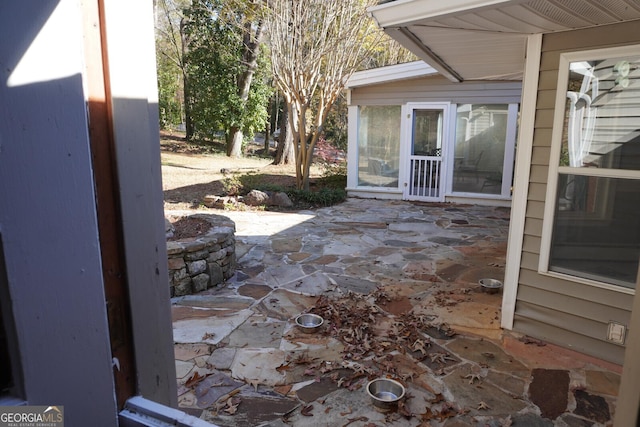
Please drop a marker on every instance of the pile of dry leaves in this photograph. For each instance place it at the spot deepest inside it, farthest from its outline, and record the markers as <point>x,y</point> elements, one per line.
<point>372,338</point>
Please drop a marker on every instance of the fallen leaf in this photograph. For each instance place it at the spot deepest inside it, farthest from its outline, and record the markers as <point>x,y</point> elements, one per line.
<point>403,410</point>
<point>529,340</point>
<point>437,399</point>
<point>473,377</point>
<point>440,358</point>
<point>231,410</point>
<point>232,405</point>
<point>349,411</point>
<point>195,379</point>
<point>254,383</point>
<point>306,411</point>
<point>283,367</point>
<point>353,420</point>
<point>420,346</point>
<point>482,406</point>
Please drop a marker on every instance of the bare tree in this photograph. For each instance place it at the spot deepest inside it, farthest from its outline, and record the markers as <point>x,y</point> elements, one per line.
<point>172,44</point>
<point>316,45</point>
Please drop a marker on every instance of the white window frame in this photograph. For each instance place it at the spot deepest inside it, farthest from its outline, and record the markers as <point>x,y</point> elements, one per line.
<point>554,161</point>
<point>509,154</point>
<point>353,156</point>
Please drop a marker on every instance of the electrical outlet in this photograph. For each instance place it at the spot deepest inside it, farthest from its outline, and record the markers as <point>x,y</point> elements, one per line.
<point>616,333</point>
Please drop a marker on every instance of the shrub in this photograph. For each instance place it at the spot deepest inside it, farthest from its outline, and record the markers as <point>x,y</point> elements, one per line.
<point>323,197</point>
<point>334,176</point>
<point>331,187</point>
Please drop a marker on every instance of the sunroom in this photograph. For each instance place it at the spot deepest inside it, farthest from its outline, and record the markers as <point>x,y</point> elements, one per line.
<point>415,135</point>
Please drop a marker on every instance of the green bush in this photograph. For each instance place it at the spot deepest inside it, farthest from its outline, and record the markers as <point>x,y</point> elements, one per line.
<point>334,176</point>
<point>331,188</point>
<point>323,197</point>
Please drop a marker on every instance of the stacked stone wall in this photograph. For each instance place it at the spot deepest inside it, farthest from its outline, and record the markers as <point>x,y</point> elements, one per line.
<point>197,264</point>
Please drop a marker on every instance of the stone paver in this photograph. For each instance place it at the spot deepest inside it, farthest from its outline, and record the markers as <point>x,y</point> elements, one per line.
<point>412,269</point>
<point>256,332</point>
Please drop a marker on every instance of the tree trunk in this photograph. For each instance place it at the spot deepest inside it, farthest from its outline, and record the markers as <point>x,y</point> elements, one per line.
<point>234,142</point>
<point>188,122</point>
<point>267,136</point>
<point>186,86</point>
<point>250,60</point>
<point>285,153</point>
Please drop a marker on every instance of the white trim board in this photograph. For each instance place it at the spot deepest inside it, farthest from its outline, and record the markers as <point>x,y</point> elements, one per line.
<point>404,12</point>
<point>521,179</point>
<point>390,73</point>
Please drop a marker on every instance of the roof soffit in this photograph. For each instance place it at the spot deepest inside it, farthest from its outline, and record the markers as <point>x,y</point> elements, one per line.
<point>476,39</point>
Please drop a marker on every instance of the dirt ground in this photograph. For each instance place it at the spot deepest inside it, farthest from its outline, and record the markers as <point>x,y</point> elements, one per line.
<point>190,172</point>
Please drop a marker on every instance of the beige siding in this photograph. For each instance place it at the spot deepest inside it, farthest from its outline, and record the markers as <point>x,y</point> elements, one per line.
<point>548,80</point>
<point>530,325</point>
<point>540,155</point>
<point>568,313</point>
<point>436,89</point>
<point>537,191</point>
<point>529,261</point>
<point>539,174</point>
<point>535,209</point>
<point>542,138</point>
<point>533,226</point>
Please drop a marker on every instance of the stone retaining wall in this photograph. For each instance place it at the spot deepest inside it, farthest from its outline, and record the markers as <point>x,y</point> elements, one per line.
<point>197,264</point>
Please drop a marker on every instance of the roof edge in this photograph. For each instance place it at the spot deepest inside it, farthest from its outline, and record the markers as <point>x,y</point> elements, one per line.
<point>403,12</point>
<point>390,73</point>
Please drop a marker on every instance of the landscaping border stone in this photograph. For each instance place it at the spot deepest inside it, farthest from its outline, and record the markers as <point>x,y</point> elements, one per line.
<point>199,263</point>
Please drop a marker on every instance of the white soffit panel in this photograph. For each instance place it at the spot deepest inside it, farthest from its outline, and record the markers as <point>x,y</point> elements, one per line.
<point>476,54</point>
<point>464,36</point>
<point>478,22</point>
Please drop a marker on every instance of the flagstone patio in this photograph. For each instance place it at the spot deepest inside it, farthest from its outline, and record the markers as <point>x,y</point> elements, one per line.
<point>397,283</point>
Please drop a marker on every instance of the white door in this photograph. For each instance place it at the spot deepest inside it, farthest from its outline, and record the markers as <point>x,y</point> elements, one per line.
<point>425,167</point>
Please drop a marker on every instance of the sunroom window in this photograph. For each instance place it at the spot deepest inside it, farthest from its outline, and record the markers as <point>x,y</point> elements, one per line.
<point>483,133</point>
<point>379,146</point>
<point>595,180</point>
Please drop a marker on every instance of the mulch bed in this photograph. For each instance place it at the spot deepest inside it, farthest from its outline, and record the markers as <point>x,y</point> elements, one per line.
<point>188,227</point>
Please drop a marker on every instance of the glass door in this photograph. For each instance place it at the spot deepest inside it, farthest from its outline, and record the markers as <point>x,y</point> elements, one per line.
<point>425,159</point>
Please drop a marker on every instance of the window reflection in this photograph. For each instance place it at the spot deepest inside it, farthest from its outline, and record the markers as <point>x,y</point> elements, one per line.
<point>596,232</point>
<point>481,133</point>
<point>602,115</point>
<point>379,146</point>
<point>596,226</point>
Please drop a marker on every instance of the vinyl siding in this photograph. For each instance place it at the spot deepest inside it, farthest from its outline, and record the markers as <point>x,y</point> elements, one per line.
<point>436,89</point>
<point>567,313</point>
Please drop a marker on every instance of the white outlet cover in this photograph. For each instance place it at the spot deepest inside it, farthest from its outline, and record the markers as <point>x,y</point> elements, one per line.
<point>616,333</point>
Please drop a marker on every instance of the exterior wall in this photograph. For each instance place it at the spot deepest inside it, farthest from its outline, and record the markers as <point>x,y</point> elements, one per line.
<point>48,220</point>
<point>564,312</point>
<point>436,89</point>
<point>52,280</point>
<point>134,107</point>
